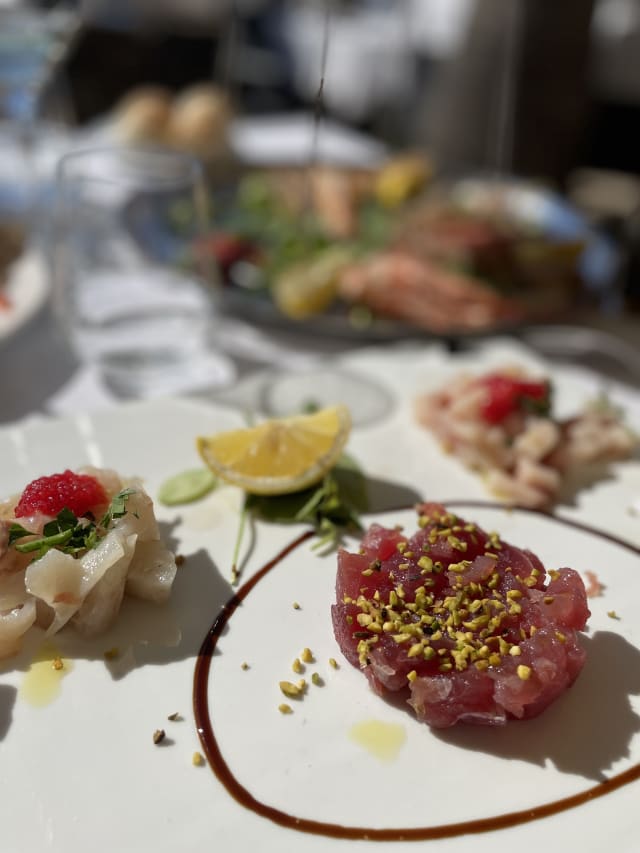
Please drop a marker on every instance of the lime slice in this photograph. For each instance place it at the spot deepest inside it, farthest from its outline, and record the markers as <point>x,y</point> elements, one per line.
<point>187,487</point>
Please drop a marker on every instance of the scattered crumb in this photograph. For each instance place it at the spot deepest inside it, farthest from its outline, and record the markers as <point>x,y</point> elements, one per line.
<point>295,605</point>
<point>316,679</point>
<point>158,736</point>
<point>111,654</point>
<point>594,587</point>
<point>334,663</point>
<point>180,560</point>
<point>612,614</point>
<point>57,663</point>
<point>197,759</point>
<point>297,666</point>
<point>285,709</point>
<point>294,691</point>
<point>307,655</point>
<point>634,508</point>
<point>244,665</point>
<point>234,575</point>
<point>174,717</point>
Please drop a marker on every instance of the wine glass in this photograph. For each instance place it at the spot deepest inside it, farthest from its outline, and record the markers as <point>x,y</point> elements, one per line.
<point>132,291</point>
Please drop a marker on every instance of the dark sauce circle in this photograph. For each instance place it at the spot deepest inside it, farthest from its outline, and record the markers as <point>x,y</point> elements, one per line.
<point>333,830</point>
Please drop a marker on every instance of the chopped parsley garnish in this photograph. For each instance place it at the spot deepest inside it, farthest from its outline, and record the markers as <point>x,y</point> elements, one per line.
<point>68,533</point>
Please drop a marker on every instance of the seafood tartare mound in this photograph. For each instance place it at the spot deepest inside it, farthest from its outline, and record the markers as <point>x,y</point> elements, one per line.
<point>468,625</point>
<point>500,425</point>
<point>71,546</point>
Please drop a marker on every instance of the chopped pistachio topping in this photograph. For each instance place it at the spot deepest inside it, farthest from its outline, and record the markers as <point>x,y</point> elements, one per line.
<point>524,672</point>
<point>307,655</point>
<point>197,759</point>
<point>295,605</point>
<point>294,691</point>
<point>284,708</point>
<point>158,736</point>
<point>333,663</point>
<point>470,624</point>
<point>316,679</point>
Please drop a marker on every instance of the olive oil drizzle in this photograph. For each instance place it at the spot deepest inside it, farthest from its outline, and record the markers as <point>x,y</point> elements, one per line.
<point>333,830</point>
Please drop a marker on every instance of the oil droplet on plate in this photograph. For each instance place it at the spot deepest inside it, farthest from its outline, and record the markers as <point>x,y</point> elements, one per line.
<point>382,740</point>
<point>41,684</point>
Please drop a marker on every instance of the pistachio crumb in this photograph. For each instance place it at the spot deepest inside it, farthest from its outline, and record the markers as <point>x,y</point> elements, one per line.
<point>197,759</point>
<point>244,665</point>
<point>57,663</point>
<point>307,655</point>
<point>174,717</point>
<point>297,666</point>
<point>285,709</point>
<point>316,679</point>
<point>290,689</point>
<point>612,614</point>
<point>158,736</point>
<point>524,672</point>
<point>295,605</point>
<point>333,663</point>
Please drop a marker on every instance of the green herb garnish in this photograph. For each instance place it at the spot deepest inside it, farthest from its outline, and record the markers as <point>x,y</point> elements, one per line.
<point>117,507</point>
<point>331,506</point>
<point>68,533</point>
<point>540,406</point>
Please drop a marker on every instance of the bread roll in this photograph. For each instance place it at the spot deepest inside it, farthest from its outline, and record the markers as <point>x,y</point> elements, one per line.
<point>143,115</point>
<point>199,121</point>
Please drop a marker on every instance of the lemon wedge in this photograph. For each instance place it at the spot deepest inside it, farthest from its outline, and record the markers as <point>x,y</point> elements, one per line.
<point>281,455</point>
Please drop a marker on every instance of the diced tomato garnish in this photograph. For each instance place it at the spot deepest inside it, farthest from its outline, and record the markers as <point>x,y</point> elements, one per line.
<point>48,495</point>
<point>506,395</point>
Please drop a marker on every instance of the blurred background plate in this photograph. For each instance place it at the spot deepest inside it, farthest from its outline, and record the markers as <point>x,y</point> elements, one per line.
<point>537,207</point>
<point>559,261</point>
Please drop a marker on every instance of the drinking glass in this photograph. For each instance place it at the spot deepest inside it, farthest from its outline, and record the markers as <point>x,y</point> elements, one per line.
<point>133,293</point>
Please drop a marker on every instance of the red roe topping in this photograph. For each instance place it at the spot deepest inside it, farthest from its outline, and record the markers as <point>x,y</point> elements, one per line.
<point>506,395</point>
<point>48,495</point>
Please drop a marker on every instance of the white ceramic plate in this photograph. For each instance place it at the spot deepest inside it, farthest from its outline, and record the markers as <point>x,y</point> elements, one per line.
<point>27,290</point>
<point>83,770</point>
